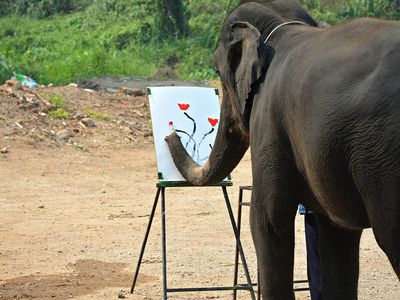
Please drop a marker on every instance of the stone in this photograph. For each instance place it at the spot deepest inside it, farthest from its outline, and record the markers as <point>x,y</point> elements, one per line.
<point>87,122</point>
<point>121,295</point>
<point>111,90</point>
<point>79,115</point>
<point>4,150</point>
<point>132,92</point>
<point>63,135</point>
<point>14,83</point>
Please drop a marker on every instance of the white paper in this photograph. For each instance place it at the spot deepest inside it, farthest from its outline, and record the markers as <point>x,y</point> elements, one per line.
<point>194,113</point>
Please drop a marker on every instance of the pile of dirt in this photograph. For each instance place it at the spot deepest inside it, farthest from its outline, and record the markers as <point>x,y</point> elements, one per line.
<point>80,117</point>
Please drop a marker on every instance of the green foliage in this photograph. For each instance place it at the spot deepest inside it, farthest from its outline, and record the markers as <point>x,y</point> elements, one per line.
<point>42,8</point>
<point>335,12</point>
<point>70,40</point>
<point>57,101</point>
<point>170,19</point>
<point>59,113</point>
<point>96,115</point>
<point>5,70</point>
<point>365,8</point>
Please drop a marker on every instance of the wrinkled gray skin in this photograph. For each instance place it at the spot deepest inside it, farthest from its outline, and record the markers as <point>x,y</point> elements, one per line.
<point>320,110</point>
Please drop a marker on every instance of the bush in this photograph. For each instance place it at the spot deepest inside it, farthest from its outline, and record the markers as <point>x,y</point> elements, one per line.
<point>5,70</point>
<point>41,8</point>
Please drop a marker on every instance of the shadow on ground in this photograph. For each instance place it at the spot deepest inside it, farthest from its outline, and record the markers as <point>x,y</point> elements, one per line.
<point>88,276</point>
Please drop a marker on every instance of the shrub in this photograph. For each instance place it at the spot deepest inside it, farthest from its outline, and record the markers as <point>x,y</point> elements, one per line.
<point>5,70</point>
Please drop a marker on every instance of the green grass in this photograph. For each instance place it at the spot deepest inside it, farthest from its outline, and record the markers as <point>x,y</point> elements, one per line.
<point>60,110</point>
<point>57,100</point>
<point>65,49</point>
<point>96,115</point>
<point>59,113</point>
<point>117,38</point>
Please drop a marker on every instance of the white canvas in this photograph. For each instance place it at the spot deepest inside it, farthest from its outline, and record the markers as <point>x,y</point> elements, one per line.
<point>194,113</point>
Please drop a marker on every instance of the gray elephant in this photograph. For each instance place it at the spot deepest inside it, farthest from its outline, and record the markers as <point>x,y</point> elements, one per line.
<point>320,110</point>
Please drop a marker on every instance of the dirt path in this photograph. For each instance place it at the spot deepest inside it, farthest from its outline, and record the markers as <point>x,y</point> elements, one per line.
<point>72,222</point>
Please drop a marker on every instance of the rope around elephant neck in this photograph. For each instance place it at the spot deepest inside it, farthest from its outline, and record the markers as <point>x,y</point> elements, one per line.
<point>281,25</point>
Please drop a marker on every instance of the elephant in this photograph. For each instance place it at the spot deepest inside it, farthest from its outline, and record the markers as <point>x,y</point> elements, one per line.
<point>319,109</point>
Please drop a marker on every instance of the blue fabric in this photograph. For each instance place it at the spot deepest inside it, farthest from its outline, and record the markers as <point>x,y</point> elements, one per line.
<point>313,261</point>
<point>304,210</point>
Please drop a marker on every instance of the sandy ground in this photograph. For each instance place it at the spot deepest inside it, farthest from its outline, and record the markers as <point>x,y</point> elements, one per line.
<point>72,221</point>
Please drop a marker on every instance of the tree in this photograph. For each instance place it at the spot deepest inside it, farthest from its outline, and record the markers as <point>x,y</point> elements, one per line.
<point>171,19</point>
<point>395,4</point>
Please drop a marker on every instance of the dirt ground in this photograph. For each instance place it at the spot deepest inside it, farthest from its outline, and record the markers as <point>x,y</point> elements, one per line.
<point>74,209</point>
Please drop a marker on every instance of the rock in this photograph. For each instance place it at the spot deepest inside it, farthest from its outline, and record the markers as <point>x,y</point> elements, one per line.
<point>79,115</point>
<point>41,206</point>
<point>87,122</point>
<point>132,92</point>
<point>63,135</point>
<point>73,84</point>
<point>111,90</point>
<point>14,83</point>
<point>126,130</point>
<point>87,84</point>
<point>121,295</point>
<point>4,150</point>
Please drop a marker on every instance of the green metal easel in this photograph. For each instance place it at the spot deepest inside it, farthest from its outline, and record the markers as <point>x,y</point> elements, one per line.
<point>161,189</point>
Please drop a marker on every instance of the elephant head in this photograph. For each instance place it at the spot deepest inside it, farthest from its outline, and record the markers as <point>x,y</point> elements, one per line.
<point>241,60</point>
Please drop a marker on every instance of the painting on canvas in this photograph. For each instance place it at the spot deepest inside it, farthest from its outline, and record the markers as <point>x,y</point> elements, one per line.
<point>193,112</point>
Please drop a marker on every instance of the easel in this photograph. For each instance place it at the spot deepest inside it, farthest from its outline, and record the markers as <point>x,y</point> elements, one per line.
<point>161,187</point>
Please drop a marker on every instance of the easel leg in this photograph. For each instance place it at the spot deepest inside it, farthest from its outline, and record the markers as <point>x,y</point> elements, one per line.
<point>239,244</point>
<point>164,244</point>
<point>145,239</point>
<point>239,222</point>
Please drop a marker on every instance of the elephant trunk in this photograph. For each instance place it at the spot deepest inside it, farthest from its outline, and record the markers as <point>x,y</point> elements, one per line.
<point>229,147</point>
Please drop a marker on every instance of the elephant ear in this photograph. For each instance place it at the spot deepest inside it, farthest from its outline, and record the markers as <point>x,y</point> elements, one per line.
<point>249,58</point>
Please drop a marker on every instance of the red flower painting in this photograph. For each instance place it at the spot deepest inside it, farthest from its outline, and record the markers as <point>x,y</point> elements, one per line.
<point>213,122</point>
<point>183,106</point>
<point>191,140</point>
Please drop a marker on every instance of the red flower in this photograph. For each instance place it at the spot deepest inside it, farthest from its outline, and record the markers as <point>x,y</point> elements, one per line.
<point>183,106</point>
<point>170,123</point>
<point>213,122</point>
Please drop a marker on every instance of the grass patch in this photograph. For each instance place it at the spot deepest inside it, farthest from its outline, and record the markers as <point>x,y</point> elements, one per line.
<point>59,113</point>
<point>96,115</point>
<point>58,101</point>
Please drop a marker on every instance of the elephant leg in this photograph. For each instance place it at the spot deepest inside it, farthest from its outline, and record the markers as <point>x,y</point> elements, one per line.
<point>272,214</point>
<point>339,256</point>
<point>391,246</point>
<point>385,222</point>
